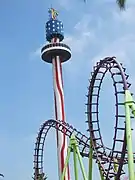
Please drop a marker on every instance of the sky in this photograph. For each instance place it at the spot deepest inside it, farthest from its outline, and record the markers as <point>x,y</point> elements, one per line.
<point>93,30</point>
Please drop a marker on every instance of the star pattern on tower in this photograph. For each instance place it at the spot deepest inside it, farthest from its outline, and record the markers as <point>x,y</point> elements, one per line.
<point>54,26</point>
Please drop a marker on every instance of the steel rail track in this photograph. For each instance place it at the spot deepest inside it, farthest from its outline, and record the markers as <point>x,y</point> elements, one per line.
<point>65,128</point>
<point>83,141</point>
<point>103,155</point>
<point>120,83</point>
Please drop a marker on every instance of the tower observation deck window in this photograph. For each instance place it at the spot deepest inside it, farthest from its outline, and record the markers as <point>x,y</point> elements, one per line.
<point>56,45</point>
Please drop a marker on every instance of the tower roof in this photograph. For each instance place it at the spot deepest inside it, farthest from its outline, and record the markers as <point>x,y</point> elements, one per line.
<point>54,27</point>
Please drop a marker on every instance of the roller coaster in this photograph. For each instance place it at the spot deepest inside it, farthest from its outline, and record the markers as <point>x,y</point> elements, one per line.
<point>110,161</point>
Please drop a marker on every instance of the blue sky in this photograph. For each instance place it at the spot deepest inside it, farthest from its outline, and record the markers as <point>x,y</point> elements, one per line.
<point>93,30</point>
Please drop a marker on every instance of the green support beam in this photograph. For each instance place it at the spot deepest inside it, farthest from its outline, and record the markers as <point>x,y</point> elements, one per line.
<point>115,166</point>
<point>66,162</point>
<point>75,163</point>
<point>73,146</point>
<point>90,161</point>
<point>100,171</point>
<point>129,105</point>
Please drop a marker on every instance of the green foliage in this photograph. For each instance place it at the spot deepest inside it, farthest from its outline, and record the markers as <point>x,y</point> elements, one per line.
<point>45,177</point>
<point>42,176</point>
<point>121,4</point>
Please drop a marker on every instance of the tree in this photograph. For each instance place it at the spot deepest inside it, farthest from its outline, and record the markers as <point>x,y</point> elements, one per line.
<point>121,4</point>
<point>1,175</point>
<point>41,176</point>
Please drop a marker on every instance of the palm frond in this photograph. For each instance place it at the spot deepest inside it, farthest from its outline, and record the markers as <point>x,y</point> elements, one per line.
<point>121,4</point>
<point>1,175</point>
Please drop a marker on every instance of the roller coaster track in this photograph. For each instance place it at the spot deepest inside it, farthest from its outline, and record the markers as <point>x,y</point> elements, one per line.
<point>119,78</point>
<point>82,140</point>
<point>105,156</point>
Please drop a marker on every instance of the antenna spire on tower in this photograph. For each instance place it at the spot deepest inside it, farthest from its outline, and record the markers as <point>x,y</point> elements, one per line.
<point>53,13</point>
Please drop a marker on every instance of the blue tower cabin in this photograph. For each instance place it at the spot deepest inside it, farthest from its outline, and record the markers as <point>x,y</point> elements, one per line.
<point>54,29</point>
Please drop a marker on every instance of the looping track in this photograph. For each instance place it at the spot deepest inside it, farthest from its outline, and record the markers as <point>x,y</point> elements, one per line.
<point>82,140</point>
<point>107,158</point>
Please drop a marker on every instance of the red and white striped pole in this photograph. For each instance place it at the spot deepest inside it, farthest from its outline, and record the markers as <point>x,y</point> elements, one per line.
<point>56,53</point>
<point>59,112</point>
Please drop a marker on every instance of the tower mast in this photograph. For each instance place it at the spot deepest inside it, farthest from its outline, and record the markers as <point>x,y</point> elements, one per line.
<point>56,53</point>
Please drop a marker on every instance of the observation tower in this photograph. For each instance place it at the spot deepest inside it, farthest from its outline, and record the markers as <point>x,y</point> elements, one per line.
<point>56,52</point>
